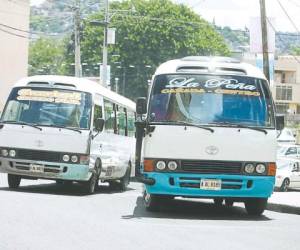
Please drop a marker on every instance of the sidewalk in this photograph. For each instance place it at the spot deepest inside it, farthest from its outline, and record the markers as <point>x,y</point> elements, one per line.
<point>285,202</point>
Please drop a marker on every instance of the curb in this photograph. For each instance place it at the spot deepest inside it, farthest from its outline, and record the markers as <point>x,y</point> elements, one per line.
<point>283,208</point>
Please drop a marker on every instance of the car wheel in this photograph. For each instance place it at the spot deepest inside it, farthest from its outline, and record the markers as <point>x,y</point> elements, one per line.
<point>285,185</point>
<point>125,180</point>
<point>13,180</point>
<point>256,206</point>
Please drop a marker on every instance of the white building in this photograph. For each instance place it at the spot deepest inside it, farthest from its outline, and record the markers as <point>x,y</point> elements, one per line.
<point>14,19</point>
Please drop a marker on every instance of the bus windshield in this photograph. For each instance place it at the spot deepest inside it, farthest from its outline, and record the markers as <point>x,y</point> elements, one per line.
<point>211,99</point>
<point>49,107</point>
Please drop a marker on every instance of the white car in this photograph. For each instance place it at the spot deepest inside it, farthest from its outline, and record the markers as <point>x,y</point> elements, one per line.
<point>288,174</point>
<point>288,151</point>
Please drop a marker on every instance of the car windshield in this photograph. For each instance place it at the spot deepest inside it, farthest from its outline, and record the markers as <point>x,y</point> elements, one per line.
<point>281,150</point>
<point>48,107</point>
<point>211,99</point>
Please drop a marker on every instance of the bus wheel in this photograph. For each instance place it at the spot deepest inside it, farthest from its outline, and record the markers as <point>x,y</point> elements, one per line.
<point>125,180</point>
<point>13,180</point>
<point>218,202</point>
<point>229,203</point>
<point>151,201</point>
<point>285,185</point>
<point>92,183</point>
<point>256,206</point>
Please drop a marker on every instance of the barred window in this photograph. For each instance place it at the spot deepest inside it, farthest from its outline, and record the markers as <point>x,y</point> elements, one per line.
<point>284,93</point>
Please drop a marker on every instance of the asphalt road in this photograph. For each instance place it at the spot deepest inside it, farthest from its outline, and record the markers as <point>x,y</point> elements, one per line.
<point>42,215</point>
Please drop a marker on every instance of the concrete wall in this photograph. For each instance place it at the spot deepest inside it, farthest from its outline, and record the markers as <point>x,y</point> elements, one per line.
<point>13,49</point>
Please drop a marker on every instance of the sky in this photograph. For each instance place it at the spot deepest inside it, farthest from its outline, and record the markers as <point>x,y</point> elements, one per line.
<point>237,13</point>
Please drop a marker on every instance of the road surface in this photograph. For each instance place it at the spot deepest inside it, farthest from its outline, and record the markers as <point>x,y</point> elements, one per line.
<point>42,215</point>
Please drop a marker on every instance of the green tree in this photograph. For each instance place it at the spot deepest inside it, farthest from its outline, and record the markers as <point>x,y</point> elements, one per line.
<point>149,32</point>
<point>46,56</point>
<point>295,50</point>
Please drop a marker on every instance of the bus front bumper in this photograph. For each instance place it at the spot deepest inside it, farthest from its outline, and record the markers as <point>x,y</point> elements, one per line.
<point>47,170</point>
<point>188,185</point>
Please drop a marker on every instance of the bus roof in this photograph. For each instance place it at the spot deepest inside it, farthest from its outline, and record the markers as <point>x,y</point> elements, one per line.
<point>210,65</point>
<point>75,83</point>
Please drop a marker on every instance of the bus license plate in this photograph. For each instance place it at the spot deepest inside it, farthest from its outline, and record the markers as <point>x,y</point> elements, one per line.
<point>209,184</point>
<point>36,168</point>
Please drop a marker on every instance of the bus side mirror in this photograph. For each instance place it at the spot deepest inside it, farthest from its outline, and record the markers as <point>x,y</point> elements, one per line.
<point>99,124</point>
<point>279,122</point>
<point>141,106</point>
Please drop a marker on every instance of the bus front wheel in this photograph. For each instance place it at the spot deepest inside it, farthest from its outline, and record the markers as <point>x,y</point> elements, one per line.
<point>13,180</point>
<point>152,201</point>
<point>256,206</point>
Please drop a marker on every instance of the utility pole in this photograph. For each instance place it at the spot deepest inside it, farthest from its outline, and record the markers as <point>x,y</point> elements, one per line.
<point>78,69</point>
<point>264,32</point>
<point>103,77</point>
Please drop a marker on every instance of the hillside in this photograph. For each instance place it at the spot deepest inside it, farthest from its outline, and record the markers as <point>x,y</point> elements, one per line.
<point>55,18</point>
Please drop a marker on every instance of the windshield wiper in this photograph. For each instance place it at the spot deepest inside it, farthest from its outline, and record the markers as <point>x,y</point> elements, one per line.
<point>240,126</point>
<point>189,124</point>
<point>23,124</point>
<point>64,127</point>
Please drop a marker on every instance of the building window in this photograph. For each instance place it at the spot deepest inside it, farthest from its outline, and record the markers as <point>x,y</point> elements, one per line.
<point>282,108</point>
<point>284,93</point>
<point>283,77</point>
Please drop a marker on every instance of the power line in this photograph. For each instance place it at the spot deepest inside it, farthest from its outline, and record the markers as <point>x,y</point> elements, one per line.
<point>288,16</point>
<point>13,34</point>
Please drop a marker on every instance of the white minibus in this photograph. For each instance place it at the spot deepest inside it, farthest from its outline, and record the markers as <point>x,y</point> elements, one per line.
<point>67,129</point>
<point>209,132</point>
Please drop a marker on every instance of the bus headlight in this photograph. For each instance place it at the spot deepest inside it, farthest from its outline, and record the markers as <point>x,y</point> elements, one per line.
<point>74,158</point>
<point>161,165</point>
<point>249,168</point>
<point>172,165</point>
<point>12,153</point>
<point>4,152</point>
<point>66,158</point>
<point>260,168</point>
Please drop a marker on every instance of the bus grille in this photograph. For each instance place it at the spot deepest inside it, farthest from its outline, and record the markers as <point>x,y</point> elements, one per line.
<point>211,167</point>
<point>39,155</point>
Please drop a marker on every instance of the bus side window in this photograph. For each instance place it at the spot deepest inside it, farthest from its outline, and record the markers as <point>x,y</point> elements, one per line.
<point>97,112</point>
<point>115,107</point>
<point>130,123</point>
<point>109,116</point>
<point>121,114</point>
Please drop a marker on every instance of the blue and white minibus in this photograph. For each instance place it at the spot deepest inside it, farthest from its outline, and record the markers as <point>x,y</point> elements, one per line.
<point>67,129</point>
<point>209,132</point>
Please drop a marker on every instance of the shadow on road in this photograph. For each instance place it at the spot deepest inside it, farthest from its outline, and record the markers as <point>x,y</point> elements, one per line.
<point>198,210</point>
<point>74,189</point>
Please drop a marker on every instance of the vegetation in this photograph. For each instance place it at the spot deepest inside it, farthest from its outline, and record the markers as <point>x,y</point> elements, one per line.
<point>149,32</point>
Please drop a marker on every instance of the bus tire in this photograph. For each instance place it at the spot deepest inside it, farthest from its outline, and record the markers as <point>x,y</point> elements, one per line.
<point>256,206</point>
<point>285,185</point>
<point>13,180</point>
<point>91,185</point>
<point>152,202</point>
<point>229,203</point>
<point>218,202</point>
<point>125,180</point>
